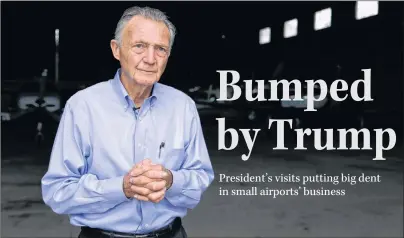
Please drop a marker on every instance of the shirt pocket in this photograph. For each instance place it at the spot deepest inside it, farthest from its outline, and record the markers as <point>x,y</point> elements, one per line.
<point>173,157</point>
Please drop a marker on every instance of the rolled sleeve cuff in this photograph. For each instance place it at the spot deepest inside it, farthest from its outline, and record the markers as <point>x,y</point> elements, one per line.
<point>113,189</point>
<point>177,185</point>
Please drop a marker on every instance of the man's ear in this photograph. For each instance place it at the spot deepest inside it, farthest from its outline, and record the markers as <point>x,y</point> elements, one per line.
<point>115,49</point>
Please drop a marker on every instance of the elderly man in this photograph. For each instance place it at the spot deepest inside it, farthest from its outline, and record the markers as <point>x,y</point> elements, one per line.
<point>129,157</point>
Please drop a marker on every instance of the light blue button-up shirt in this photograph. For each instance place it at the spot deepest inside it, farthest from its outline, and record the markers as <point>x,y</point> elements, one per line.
<point>100,139</point>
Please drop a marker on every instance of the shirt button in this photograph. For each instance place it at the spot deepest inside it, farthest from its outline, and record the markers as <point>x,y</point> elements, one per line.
<point>147,225</point>
<point>140,145</point>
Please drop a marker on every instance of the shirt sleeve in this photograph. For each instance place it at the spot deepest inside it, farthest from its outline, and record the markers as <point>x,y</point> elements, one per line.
<point>196,173</point>
<point>67,187</point>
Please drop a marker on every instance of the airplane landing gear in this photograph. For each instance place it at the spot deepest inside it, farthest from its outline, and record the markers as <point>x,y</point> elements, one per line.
<point>39,137</point>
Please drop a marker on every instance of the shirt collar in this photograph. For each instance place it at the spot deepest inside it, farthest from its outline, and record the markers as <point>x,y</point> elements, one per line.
<point>124,96</point>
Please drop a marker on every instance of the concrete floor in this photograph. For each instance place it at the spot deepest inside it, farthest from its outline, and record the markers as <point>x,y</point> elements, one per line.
<point>367,210</point>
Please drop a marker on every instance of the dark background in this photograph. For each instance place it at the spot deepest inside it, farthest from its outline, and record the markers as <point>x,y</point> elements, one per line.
<point>86,29</point>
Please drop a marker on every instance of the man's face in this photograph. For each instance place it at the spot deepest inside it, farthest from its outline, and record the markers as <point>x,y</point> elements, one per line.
<point>144,50</point>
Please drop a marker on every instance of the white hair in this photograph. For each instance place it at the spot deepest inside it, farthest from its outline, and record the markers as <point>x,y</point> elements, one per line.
<point>147,12</point>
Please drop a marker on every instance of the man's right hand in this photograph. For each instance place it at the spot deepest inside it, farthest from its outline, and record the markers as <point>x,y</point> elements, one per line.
<point>134,182</point>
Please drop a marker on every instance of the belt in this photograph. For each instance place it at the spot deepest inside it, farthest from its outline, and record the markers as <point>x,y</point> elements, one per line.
<point>167,231</point>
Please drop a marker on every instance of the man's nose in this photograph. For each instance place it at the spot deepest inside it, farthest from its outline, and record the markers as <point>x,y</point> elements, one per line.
<point>150,56</point>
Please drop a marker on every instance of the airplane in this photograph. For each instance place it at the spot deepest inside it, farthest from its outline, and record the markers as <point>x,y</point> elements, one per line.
<point>38,102</point>
<point>23,105</point>
<point>22,100</point>
<point>28,99</point>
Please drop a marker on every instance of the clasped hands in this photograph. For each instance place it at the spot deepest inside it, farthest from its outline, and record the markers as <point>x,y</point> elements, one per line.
<point>147,181</point>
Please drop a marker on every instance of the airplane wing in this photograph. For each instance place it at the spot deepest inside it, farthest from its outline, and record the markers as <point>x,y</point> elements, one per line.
<point>8,116</point>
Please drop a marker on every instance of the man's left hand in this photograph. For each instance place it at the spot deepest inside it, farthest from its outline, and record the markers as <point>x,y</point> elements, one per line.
<point>158,172</point>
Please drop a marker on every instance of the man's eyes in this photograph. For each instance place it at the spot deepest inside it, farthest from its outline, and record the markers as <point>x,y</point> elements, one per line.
<point>140,46</point>
<point>162,49</point>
